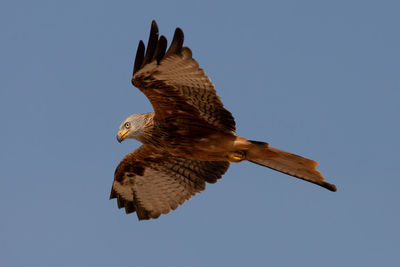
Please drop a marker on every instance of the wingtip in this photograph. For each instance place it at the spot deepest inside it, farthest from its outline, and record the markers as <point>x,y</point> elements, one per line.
<point>156,47</point>
<point>154,27</point>
<point>179,32</point>
<point>330,187</point>
<point>176,44</point>
<point>179,35</point>
<point>139,57</point>
<point>113,194</point>
<point>160,49</point>
<point>151,44</point>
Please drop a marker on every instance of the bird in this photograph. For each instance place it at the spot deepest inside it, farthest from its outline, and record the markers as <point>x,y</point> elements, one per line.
<point>189,140</point>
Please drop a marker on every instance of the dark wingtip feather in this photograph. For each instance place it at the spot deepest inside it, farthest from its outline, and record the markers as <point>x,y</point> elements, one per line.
<point>329,186</point>
<point>139,57</point>
<point>177,42</point>
<point>113,194</point>
<point>129,208</point>
<point>120,202</point>
<point>151,44</point>
<point>156,47</point>
<point>160,50</point>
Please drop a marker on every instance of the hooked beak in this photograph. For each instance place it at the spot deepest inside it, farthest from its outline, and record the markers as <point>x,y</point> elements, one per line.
<point>121,135</point>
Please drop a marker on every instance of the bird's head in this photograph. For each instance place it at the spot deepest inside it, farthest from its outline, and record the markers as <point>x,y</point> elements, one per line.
<point>131,127</point>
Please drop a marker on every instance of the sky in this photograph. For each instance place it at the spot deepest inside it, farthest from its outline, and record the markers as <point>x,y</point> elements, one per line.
<point>316,78</point>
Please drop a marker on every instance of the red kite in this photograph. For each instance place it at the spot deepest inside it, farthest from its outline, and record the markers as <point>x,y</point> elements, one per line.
<point>189,139</point>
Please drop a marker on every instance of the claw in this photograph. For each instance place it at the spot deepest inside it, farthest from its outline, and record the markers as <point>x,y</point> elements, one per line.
<point>237,156</point>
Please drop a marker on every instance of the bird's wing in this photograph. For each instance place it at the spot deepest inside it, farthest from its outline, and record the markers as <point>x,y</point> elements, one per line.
<point>152,182</point>
<point>175,85</point>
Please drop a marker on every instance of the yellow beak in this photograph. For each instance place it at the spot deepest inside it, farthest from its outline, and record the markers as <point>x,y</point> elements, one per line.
<point>121,135</point>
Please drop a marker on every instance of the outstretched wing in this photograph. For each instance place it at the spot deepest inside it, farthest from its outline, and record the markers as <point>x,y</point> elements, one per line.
<point>175,85</point>
<point>152,183</point>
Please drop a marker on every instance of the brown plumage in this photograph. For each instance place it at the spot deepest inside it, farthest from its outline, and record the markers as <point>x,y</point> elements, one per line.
<point>189,139</point>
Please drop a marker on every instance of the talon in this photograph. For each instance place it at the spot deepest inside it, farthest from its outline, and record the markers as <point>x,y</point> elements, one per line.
<point>237,156</point>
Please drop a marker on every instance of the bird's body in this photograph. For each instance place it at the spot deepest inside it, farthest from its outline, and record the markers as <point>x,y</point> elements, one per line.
<point>189,139</point>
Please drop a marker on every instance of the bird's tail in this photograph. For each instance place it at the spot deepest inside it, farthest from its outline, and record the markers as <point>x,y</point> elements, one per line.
<point>288,163</point>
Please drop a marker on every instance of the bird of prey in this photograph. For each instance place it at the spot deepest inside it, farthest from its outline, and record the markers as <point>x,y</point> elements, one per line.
<point>189,139</point>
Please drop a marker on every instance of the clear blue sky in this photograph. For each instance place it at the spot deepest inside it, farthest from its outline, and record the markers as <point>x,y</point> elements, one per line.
<point>318,78</point>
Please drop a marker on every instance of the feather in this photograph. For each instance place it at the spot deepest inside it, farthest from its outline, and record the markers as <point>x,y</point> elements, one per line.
<point>160,50</point>
<point>165,182</point>
<point>151,44</point>
<point>139,57</point>
<point>177,42</point>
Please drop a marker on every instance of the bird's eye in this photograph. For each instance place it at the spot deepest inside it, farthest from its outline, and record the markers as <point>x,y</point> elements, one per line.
<point>127,125</point>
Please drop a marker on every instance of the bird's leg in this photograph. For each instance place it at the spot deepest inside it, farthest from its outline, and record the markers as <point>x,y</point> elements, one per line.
<point>236,156</point>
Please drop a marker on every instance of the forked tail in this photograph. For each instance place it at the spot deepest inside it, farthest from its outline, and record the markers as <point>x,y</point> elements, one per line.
<point>288,163</point>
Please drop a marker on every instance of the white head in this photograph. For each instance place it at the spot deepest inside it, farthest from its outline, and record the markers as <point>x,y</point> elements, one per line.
<point>132,127</point>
